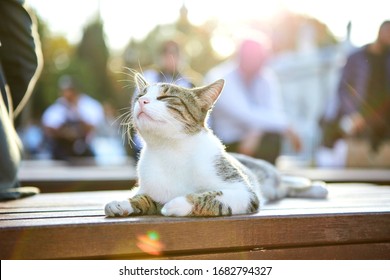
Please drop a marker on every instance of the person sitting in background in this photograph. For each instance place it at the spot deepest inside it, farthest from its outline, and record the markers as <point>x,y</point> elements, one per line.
<point>356,126</point>
<point>248,116</point>
<point>168,69</point>
<point>69,123</point>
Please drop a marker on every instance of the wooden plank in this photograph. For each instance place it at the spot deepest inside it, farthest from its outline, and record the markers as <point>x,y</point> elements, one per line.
<point>376,176</point>
<point>98,237</point>
<point>74,185</point>
<point>52,176</point>
<point>363,198</point>
<point>72,225</point>
<point>81,173</point>
<point>61,171</point>
<point>47,200</point>
<point>54,214</point>
<point>96,217</point>
<point>370,251</point>
<point>341,196</point>
<point>32,210</point>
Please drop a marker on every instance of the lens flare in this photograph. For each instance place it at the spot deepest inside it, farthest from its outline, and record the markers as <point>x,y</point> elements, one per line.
<point>150,244</point>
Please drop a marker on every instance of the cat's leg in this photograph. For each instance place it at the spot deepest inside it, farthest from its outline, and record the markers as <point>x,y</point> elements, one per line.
<point>138,205</point>
<point>213,203</point>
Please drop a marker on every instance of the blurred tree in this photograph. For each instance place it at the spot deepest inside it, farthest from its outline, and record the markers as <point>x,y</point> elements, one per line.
<point>87,62</point>
<point>57,56</point>
<point>92,57</point>
<point>194,42</point>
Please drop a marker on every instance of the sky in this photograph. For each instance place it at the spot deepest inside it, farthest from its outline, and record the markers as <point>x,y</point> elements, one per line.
<point>126,19</point>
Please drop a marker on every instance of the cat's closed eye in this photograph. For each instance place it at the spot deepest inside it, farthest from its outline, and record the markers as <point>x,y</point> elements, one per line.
<point>167,97</point>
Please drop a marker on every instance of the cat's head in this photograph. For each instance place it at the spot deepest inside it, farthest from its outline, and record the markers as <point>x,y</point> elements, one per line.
<point>169,111</point>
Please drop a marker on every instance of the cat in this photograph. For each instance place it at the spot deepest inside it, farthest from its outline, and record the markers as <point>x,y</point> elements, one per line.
<point>183,168</point>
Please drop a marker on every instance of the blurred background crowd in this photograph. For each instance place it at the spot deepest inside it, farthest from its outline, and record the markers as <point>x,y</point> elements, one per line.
<point>283,71</point>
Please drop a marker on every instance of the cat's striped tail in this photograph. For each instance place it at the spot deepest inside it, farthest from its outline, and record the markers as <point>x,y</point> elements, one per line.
<point>304,187</point>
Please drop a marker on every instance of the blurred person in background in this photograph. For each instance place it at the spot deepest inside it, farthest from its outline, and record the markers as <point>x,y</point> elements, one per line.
<point>356,124</point>
<point>248,116</point>
<point>20,67</point>
<point>169,68</point>
<point>70,122</point>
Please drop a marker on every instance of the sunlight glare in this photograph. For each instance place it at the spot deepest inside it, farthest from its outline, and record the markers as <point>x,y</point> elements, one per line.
<point>124,20</point>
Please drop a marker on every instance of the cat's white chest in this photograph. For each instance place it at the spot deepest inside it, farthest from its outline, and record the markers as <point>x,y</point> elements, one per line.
<point>165,175</point>
<point>173,170</point>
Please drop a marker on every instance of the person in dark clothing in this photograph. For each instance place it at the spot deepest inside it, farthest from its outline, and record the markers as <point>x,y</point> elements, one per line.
<point>20,66</point>
<point>363,96</point>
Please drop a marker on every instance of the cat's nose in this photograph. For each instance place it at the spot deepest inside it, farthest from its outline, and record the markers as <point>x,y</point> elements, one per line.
<point>143,101</point>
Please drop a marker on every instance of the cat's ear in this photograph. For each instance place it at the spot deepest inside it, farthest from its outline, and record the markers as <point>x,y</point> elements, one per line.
<point>208,95</point>
<point>140,82</point>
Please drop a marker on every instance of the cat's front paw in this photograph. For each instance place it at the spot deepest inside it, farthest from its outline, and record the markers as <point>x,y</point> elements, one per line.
<point>118,209</point>
<point>178,206</point>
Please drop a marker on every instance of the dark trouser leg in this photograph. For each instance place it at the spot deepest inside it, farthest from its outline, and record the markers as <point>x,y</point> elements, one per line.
<point>270,147</point>
<point>268,150</point>
<point>10,153</point>
<point>20,64</point>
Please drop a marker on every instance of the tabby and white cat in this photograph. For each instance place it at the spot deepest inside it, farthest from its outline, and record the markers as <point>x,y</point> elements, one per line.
<point>183,169</point>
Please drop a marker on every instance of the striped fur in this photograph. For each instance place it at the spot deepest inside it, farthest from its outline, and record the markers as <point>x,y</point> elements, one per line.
<point>145,205</point>
<point>206,204</point>
<point>183,168</point>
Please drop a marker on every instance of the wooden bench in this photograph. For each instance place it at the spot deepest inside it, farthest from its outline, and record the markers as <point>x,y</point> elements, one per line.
<point>52,176</point>
<point>57,176</point>
<point>353,223</point>
<point>366,175</point>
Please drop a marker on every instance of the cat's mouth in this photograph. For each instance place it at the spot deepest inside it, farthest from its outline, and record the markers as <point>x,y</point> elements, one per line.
<point>144,116</point>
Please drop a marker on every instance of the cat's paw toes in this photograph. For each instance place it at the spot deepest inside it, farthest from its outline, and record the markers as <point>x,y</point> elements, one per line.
<point>118,209</point>
<point>178,206</point>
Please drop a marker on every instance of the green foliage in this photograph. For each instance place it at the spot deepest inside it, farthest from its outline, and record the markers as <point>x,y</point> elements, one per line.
<point>87,62</point>
<point>57,55</point>
<point>92,58</point>
<point>194,40</point>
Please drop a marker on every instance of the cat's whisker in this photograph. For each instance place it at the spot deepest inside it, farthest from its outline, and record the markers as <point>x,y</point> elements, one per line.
<point>128,86</point>
<point>140,67</point>
<point>126,126</point>
<point>125,73</point>
<point>128,109</point>
<point>178,80</point>
<point>120,117</point>
<point>126,121</point>
<point>124,80</point>
<point>164,77</point>
<point>130,73</point>
<point>131,70</point>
